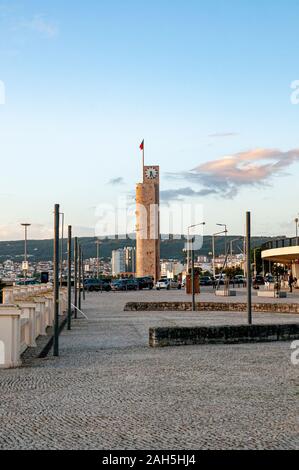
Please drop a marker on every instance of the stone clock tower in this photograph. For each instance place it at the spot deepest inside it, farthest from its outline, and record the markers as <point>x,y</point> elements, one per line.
<point>148,224</point>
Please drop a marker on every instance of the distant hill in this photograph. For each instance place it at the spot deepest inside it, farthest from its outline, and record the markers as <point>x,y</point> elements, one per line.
<point>42,250</point>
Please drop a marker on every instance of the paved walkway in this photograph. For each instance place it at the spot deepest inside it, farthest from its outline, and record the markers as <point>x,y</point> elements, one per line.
<point>108,390</point>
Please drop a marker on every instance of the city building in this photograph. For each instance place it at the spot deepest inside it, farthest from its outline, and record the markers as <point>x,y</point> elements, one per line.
<point>171,268</point>
<point>123,261</point>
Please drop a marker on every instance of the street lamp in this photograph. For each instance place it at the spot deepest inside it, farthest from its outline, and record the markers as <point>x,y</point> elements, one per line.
<point>25,264</point>
<point>188,243</point>
<point>192,262</point>
<point>98,243</point>
<point>225,233</point>
<point>213,248</point>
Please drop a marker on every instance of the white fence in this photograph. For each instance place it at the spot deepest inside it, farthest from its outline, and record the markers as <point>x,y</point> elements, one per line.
<point>26,313</point>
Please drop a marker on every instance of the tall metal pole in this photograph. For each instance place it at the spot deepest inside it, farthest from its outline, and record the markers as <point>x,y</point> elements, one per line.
<point>248,263</point>
<point>83,274</point>
<point>69,279</point>
<point>79,275</point>
<point>56,280</point>
<point>213,250</point>
<point>98,258</point>
<point>76,276</point>
<point>61,249</point>
<point>192,278</point>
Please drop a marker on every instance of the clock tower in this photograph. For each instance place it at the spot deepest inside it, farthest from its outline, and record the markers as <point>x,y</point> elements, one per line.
<point>148,224</point>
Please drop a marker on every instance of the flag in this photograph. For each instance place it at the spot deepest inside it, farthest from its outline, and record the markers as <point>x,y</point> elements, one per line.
<point>141,146</point>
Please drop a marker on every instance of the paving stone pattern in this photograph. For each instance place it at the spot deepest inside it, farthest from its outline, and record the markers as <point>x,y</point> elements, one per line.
<point>109,390</point>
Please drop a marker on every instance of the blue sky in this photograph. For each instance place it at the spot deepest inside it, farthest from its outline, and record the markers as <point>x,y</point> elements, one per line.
<point>85,82</point>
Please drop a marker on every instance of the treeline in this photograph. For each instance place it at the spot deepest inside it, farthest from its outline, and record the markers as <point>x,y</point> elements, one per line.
<point>42,250</point>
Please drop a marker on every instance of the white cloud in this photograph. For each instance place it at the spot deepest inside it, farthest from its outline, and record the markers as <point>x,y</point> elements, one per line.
<point>228,174</point>
<point>40,24</point>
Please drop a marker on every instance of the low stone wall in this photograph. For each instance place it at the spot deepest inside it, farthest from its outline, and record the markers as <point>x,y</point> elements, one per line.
<point>211,307</point>
<point>183,336</point>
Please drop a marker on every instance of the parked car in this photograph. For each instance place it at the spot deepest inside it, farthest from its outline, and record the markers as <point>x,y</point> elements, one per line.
<point>92,285</point>
<point>239,279</point>
<point>162,284</point>
<point>124,285</point>
<point>206,281</point>
<point>168,284</point>
<point>174,284</point>
<point>258,280</point>
<point>145,282</point>
<point>219,279</point>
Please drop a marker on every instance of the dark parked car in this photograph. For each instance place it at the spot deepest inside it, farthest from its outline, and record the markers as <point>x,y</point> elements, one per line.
<point>125,284</point>
<point>92,285</point>
<point>258,281</point>
<point>145,282</point>
<point>206,281</point>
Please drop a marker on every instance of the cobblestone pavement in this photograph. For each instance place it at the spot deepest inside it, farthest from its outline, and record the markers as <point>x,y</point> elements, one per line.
<point>108,390</point>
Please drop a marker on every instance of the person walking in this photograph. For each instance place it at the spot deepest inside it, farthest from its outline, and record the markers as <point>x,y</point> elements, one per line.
<point>291,282</point>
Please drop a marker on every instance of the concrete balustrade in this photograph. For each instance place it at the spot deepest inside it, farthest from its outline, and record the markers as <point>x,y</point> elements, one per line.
<point>8,296</point>
<point>29,312</point>
<point>10,336</point>
<point>40,303</point>
<point>26,313</point>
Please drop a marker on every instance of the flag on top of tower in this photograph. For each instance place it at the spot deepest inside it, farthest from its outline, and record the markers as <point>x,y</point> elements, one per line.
<point>141,146</point>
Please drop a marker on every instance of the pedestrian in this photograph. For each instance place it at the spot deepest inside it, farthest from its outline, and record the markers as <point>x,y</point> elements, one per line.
<point>291,282</point>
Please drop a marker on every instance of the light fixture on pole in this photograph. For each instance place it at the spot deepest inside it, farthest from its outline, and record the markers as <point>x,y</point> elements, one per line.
<point>213,248</point>
<point>25,262</point>
<point>225,234</point>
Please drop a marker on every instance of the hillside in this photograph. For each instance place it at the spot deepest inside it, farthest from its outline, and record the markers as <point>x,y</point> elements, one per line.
<point>41,250</point>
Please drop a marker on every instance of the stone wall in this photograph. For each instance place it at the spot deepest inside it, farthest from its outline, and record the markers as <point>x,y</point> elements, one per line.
<point>211,307</point>
<point>182,336</point>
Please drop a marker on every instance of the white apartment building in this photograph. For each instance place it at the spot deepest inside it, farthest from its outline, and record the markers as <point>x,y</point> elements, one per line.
<point>171,268</point>
<point>123,261</point>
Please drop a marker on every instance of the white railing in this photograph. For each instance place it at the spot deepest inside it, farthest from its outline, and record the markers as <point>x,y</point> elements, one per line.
<point>26,313</point>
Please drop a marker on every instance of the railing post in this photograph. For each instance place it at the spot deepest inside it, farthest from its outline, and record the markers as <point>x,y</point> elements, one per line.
<point>248,260</point>
<point>56,280</point>
<point>10,336</point>
<point>69,279</point>
<point>76,276</point>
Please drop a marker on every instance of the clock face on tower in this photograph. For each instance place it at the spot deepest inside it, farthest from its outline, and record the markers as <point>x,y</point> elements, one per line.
<point>151,173</point>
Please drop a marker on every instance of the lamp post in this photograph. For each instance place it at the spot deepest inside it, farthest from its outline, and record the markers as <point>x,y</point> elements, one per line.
<point>25,265</point>
<point>225,233</point>
<point>213,248</point>
<point>296,222</point>
<point>98,243</point>
<point>192,263</point>
<point>231,247</point>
